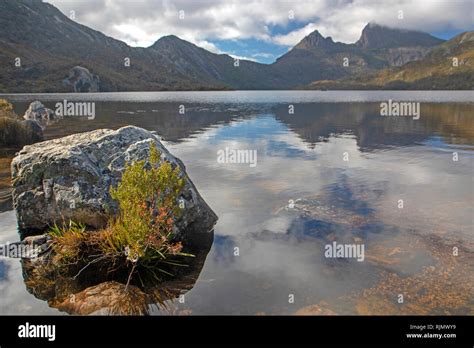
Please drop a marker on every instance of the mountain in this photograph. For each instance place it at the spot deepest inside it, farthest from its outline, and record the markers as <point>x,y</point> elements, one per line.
<point>59,55</point>
<point>436,71</point>
<point>196,63</point>
<point>50,44</point>
<point>375,36</point>
<point>318,58</point>
<point>396,46</point>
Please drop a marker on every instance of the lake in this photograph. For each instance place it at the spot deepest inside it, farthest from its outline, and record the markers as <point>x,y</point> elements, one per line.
<point>329,169</point>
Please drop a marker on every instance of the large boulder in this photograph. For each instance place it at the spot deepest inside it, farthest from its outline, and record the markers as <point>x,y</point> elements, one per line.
<point>69,179</point>
<point>82,80</point>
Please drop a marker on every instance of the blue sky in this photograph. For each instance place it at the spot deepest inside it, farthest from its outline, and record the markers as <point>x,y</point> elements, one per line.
<point>262,30</point>
<point>258,50</point>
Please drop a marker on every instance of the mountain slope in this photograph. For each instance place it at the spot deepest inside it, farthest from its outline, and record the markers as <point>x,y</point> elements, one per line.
<point>319,58</point>
<point>50,44</point>
<point>435,71</point>
<point>201,65</point>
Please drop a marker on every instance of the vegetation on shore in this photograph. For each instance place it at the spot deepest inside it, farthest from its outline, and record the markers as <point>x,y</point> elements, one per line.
<point>141,238</point>
<point>13,133</point>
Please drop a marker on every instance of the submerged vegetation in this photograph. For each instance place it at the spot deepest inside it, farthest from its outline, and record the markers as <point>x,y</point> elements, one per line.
<point>140,238</point>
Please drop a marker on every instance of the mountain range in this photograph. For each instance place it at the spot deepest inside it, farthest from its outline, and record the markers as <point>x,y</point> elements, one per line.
<point>42,50</point>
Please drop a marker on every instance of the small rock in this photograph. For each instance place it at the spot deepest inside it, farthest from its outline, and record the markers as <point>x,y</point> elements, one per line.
<point>108,298</point>
<point>39,113</point>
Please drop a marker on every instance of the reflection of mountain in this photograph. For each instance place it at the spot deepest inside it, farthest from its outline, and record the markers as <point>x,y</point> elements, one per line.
<point>317,122</point>
<point>313,122</point>
<point>164,118</point>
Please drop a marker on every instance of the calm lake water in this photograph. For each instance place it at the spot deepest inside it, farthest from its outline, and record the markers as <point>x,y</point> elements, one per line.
<point>334,170</point>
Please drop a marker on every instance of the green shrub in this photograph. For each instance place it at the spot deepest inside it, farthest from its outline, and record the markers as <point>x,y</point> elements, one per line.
<point>141,236</point>
<point>148,209</point>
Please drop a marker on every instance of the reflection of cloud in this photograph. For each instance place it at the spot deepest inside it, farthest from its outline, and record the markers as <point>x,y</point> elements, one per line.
<point>15,299</point>
<point>3,271</point>
<point>437,194</point>
<point>245,197</point>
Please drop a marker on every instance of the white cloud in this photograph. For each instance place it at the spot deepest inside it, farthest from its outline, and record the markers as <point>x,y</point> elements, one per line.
<point>263,55</point>
<point>295,36</point>
<point>208,46</point>
<point>242,57</point>
<point>142,22</point>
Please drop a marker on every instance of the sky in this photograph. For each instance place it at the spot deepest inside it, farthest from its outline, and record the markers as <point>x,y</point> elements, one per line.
<point>263,30</point>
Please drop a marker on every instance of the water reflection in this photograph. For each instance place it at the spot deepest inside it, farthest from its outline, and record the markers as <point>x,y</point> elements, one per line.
<point>313,122</point>
<point>264,251</point>
<point>85,293</point>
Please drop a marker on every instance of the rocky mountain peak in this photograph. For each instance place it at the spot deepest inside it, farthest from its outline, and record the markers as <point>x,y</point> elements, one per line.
<point>378,36</point>
<point>315,40</point>
<point>167,41</point>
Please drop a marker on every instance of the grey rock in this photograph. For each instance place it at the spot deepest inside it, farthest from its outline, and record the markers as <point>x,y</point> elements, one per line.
<point>82,80</point>
<point>69,179</point>
<point>41,114</point>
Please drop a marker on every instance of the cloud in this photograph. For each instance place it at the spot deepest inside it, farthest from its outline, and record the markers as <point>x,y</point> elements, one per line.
<point>295,36</point>
<point>142,22</point>
<point>242,57</point>
<point>263,55</point>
